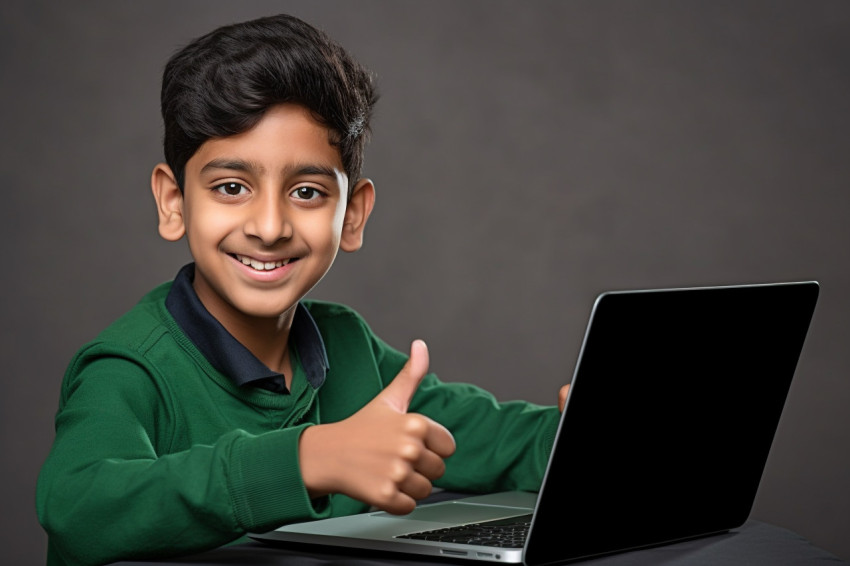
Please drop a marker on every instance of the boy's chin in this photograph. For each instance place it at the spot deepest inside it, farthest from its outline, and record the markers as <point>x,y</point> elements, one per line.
<point>261,306</point>
<point>265,311</point>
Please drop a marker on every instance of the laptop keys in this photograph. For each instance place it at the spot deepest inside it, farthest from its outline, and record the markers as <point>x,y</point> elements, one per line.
<point>502,533</point>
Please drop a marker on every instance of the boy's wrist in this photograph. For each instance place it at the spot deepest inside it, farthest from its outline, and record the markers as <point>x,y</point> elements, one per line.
<point>316,470</point>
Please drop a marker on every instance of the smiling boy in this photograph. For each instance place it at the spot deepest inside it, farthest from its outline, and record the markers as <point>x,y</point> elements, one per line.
<point>264,212</point>
<point>225,402</point>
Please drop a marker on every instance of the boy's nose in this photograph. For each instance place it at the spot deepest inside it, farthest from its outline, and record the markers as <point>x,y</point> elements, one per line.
<point>268,222</point>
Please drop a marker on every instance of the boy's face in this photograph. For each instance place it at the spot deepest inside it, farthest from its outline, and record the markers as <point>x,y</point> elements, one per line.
<point>264,212</point>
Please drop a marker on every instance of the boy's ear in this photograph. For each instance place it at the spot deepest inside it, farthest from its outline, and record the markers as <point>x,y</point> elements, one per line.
<point>169,202</point>
<point>356,214</point>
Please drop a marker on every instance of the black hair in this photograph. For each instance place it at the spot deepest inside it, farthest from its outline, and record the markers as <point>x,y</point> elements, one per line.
<point>222,83</point>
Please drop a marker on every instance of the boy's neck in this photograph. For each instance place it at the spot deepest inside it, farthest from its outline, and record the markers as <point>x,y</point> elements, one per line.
<point>266,338</point>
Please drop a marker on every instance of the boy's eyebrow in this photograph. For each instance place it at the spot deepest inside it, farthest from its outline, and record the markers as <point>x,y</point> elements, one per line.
<point>308,169</point>
<point>256,168</point>
<point>233,165</point>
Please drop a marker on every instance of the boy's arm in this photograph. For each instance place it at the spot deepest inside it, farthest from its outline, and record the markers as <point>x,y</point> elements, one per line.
<point>500,446</point>
<point>105,493</point>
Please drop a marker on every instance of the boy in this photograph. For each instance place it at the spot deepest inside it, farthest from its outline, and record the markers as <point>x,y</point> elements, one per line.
<point>224,403</point>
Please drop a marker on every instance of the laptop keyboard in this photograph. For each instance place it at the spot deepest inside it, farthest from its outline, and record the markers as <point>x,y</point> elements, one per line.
<point>502,533</point>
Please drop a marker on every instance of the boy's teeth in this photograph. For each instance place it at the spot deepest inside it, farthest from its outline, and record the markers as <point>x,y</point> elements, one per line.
<point>260,265</point>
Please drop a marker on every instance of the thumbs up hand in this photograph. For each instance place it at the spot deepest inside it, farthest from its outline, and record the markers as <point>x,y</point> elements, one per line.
<point>381,455</point>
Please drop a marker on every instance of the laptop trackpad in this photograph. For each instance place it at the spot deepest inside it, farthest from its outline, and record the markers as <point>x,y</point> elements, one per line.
<point>457,512</point>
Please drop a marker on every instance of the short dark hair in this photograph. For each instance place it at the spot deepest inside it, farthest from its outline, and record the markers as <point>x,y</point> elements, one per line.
<point>222,83</point>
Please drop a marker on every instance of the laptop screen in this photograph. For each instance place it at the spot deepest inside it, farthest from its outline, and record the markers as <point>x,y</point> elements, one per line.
<point>672,411</point>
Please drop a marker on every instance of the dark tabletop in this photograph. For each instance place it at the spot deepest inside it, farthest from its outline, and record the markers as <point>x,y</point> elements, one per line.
<point>753,544</point>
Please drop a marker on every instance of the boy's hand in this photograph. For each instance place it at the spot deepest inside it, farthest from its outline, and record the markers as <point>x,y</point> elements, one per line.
<point>380,455</point>
<point>562,397</point>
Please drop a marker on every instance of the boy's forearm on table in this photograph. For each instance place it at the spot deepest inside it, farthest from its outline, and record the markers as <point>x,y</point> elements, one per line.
<point>106,508</point>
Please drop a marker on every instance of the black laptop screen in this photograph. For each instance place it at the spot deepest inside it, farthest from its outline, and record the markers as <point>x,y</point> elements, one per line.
<point>672,412</point>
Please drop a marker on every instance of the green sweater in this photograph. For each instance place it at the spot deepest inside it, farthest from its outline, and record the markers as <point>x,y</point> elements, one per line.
<point>158,454</point>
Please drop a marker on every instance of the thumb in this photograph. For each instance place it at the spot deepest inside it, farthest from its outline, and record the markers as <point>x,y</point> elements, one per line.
<point>403,386</point>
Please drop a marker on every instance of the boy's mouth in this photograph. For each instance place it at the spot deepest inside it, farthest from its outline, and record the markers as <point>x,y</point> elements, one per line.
<point>263,265</point>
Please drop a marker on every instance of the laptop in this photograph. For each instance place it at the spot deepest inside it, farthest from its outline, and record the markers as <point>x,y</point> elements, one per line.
<point>673,407</point>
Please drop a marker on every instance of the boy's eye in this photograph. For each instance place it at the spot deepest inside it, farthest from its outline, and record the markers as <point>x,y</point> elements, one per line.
<point>307,193</point>
<point>231,189</point>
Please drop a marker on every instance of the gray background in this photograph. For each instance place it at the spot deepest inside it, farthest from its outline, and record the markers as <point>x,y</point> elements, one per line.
<point>527,156</point>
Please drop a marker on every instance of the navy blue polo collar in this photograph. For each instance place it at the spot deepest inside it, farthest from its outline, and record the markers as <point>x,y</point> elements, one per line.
<point>228,355</point>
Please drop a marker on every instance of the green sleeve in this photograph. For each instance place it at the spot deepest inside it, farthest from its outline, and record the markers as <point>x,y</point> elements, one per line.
<point>106,492</point>
<point>500,446</point>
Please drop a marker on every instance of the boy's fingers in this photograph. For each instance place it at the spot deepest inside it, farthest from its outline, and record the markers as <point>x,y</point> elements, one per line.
<point>439,440</point>
<point>400,504</point>
<point>430,465</point>
<point>416,486</point>
<point>402,388</point>
<point>562,397</point>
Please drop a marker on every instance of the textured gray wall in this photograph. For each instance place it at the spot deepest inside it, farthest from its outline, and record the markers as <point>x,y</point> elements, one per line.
<point>527,156</point>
